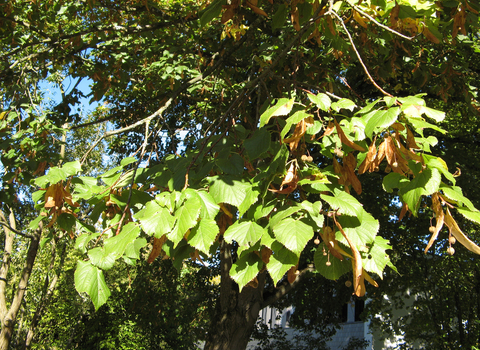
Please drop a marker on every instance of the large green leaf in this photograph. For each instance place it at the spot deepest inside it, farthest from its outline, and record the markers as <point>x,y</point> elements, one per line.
<point>186,217</point>
<point>377,259</point>
<point>293,234</point>
<point>209,208</point>
<point>155,220</point>
<point>329,266</point>
<point>424,184</point>
<point>344,203</point>
<point>228,189</point>
<point>258,143</point>
<point>360,229</point>
<point>282,107</point>
<point>89,279</point>
<point>381,119</point>
<point>244,233</point>
<point>321,100</point>
<point>280,261</point>
<point>212,11</point>
<point>203,235</point>
<point>245,269</point>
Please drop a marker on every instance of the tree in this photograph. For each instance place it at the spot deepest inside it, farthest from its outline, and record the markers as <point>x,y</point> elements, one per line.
<point>288,108</point>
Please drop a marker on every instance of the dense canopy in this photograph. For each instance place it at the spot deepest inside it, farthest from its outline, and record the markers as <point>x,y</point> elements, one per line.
<point>244,131</point>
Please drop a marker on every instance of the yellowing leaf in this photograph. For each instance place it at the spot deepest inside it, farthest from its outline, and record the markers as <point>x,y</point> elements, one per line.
<point>359,19</point>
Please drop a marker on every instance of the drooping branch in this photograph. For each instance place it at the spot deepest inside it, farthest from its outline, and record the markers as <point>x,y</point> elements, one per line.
<point>359,10</point>
<point>365,69</point>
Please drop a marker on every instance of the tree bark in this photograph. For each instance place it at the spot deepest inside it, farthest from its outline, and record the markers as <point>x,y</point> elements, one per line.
<point>236,312</point>
<point>47,294</point>
<point>9,315</point>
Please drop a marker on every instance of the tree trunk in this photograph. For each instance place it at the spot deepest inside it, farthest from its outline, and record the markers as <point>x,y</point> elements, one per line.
<point>9,315</point>
<point>47,294</point>
<point>236,313</point>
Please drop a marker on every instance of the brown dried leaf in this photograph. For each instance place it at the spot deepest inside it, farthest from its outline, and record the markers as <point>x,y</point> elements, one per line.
<point>368,163</point>
<point>428,34</point>
<point>440,217</point>
<point>266,253</point>
<point>291,274</point>
<point>345,140</point>
<point>157,248</point>
<point>459,235</point>
<point>403,211</point>
<point>228,14</point>
<point>255,9</point>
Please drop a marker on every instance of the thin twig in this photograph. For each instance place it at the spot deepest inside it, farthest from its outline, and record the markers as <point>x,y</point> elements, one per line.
<point>358,54</point>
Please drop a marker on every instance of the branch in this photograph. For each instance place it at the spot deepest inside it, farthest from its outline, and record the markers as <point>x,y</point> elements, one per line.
<point>285,288</point>
<point>358,54</point>
<point>8,227</point>
<point>356,8</point>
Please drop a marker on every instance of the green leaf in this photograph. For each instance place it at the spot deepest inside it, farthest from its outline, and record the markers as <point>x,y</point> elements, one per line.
<point>296,118</point>
<point>33,225</point>
<point>246,269</point>
<point>420,123</point>
<point>258,143</point>
<point>250,199</point>
<point>280,262</point>
<point>470,215</point>
<point>438,116</point>
<point>244,233</point>
<point>344,103</point>
<point>282,213</point>
<point>377,259</point>
<point>212,11</point>
<point>321,100</point>
<point>424,184</point>
<point>155,220</point>
<point>293,234</point>
<point>186,217</point>
<point>282,107</point>
<point>360,229</point>
<point>455,193</point>
<point>66,221</point>
<point>72,168</point>
<point>439,164</point>
<point>82,241</point>
<point>116,245</point>
<point>394,180</point>
<point>232,165</point>
<point>209,208</point>
<point>203,235</point>
<point>381,120</point>
<point>133,249</point>
<point>89,279</point>
<point>125,161</point>
<point>329,266</point>
<point>101,259</point>
<point>279,18</point>
<point>228,189</point>
<point>344,203</point>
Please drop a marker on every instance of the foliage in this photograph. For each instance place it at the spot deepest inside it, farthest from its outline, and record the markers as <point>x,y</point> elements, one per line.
<point>288,108</point>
